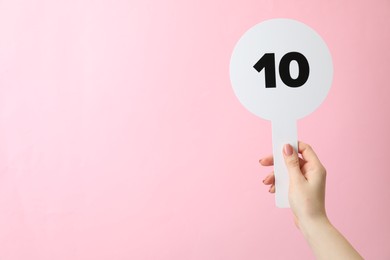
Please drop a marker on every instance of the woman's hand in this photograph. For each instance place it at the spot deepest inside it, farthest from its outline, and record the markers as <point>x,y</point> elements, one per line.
<point>307,201</point>
<point>307,182</point>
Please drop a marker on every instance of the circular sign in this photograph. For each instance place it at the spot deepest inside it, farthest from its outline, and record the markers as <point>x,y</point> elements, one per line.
<point>281,69</point>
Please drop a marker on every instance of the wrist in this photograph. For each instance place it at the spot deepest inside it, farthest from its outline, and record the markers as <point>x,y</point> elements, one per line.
<point>312,225</point>
<point>326,241</point>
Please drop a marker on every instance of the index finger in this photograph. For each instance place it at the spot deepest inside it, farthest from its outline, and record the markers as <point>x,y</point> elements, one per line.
<point>307,152</point>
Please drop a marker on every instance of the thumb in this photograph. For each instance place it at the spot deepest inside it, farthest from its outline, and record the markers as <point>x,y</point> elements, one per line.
<point>291,160</point>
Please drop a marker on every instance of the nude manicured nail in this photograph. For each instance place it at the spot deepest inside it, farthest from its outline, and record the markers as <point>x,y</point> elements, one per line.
<point>288,150</point>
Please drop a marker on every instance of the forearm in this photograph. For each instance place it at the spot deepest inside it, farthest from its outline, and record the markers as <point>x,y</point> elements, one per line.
<point>326,241</point>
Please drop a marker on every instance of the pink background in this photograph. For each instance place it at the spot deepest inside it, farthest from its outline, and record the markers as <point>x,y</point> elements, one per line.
<point>121,137</point>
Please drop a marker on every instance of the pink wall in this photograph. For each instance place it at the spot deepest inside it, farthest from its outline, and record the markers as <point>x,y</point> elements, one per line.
<point>121,138</point>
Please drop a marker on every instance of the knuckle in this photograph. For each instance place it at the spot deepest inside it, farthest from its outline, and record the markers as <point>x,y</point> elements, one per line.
<point>324,171</point>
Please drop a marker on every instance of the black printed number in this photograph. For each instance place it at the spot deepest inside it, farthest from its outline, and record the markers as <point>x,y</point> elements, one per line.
<point>267,62</point>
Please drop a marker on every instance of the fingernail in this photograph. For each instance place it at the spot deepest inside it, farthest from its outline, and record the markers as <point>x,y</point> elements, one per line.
<point>288,150</point>
<point>260,160</point>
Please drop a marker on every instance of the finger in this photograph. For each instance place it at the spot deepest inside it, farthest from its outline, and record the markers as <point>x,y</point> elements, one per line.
<point>301,162</point>
<point>267,161</point>
<point>291,160</point>
<point>272,189</point>
<point>307,152</point>
<point>270,179</point>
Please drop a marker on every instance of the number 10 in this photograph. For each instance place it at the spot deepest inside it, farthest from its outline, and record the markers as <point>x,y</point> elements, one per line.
<point>267,62</point>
